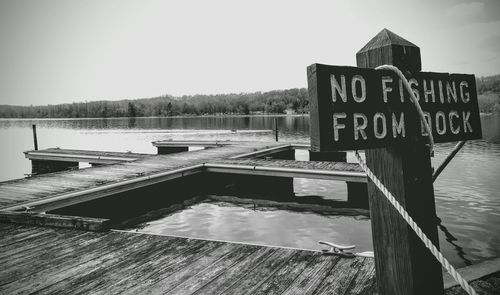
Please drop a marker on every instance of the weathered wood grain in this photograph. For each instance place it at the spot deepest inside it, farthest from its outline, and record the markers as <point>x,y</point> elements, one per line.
<point>135,274</point>
<point>258,275</point>
<point>201,278</point>
<point>236,272</point>
<point>191,269</point>
<point>63,261</point>
<point>364,281</point>
<point>283,277</point>
<point>340,277</point>
<point>313,165</point>
<point>309,280</point>
<point>22,243</point>
<point>171,274</point>
<point>30,260</point>
<point>404,265</point>
<point>89,152</point>
<point>59,280</point>
<point>52,261</point>
<point>489,285</point>
<point>54,220</point>
<point>73,156</point>
<point>44,186</point>
<point>12,233</point>
<point>116,266</point>
<point>62,257</point>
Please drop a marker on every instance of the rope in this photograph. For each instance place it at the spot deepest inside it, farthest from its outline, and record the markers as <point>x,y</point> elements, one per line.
<point>449,268</point>
<point>423,237</point>
<point>415,102</point>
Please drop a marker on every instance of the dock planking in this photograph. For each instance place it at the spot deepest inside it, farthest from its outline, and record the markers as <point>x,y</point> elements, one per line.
<point>225,158</point>
<point>289,168</point>
<point>38,187</point>
<point>72,155</point>
<point>305,165</point>
<point>47,260</point>
<point>53,260</point>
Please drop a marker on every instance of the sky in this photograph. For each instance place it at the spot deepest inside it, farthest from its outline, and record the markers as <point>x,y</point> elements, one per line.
<point>63,51</point>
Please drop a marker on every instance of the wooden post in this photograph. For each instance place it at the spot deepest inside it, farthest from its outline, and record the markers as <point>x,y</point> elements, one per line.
<point>48,166</point>
<point>403,264</point>
<point>276,128</point>
<point>35,141</point>
<point>165,150</point>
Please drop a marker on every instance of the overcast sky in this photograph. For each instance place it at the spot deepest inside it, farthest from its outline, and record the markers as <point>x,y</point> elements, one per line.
<point>65,51</point>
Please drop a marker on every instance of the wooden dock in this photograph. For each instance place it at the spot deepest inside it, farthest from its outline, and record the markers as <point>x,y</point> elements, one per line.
<point>57,258</point>
<point>94,157</point>
<point>47,261</point>
<point>340,171</point>
<point>50,260</point>
<point>51,191</point>
<point>124,175</point>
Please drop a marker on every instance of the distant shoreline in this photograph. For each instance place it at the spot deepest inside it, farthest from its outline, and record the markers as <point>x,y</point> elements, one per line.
<point>166,117</point>
<point>185,116</point>
<point>289,102</point>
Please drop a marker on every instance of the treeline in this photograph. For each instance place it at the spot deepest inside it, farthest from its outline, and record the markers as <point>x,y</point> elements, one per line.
<point>488,89</point>
<point>488,84</point>
<point>272,102</point>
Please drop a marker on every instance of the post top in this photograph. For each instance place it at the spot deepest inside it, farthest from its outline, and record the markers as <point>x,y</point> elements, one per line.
<point>386,38</point>
<point>389,48</point>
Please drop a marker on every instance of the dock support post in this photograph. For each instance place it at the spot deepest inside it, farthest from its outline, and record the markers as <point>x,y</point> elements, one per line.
<point>357,193</point>
<point>252,186</point>
<point>49,166</point>
<point>35,140</point>
<point>327,156</point>
<point>164,150</point>
<point>284,155</point>
<point>276,128</point>
<point>403,264</point>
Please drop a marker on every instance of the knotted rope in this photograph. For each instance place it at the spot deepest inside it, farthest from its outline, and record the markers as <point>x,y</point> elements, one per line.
<point>423,237</point>
<point>415,103</point>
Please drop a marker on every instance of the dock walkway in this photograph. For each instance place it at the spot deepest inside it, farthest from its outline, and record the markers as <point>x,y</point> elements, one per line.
<point>95,157</point>
<point>51,261</point>
<point>341,171</point>
<point>54,190</point>
<point>19,191</point>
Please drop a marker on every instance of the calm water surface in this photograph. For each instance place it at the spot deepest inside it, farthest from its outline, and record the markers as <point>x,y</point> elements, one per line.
<point>467,192</point>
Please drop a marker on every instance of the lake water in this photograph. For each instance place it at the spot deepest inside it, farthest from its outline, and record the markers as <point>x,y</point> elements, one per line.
<point>467,192</point>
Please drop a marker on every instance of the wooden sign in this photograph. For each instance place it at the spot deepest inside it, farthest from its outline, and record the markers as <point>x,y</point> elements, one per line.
<point>359,108</point>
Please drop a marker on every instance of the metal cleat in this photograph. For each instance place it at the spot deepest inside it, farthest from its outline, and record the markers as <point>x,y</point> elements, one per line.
<point>27,209</point>
<point>338,249</point>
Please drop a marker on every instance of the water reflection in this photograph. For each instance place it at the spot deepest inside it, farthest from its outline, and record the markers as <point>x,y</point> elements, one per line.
<point>451,239</point>
<point>227,222</point>
<point>286,124</point>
